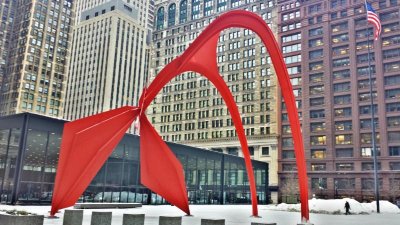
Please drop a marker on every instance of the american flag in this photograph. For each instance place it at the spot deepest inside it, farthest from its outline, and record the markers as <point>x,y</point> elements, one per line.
<point>373,19</point>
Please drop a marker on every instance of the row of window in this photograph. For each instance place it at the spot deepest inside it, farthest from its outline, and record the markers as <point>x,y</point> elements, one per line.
<point>209,8</point>
<point>343,166</point>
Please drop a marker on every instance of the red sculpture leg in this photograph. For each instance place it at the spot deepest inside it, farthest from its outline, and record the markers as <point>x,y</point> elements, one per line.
<point>86,145</point>
<point>160,170</point>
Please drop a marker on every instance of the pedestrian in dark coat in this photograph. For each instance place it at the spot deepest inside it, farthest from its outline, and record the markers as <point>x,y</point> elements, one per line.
<point>347,207</point>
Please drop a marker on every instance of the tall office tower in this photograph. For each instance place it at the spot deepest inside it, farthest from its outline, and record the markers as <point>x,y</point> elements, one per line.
<point>143,7</point>
<point>325,46</point>
<point>189,110</point>
<point>6,18</point>
<point>34,79</point>
<point>108,62</point>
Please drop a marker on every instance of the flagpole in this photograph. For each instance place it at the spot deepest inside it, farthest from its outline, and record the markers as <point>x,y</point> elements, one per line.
<point>373,127</point>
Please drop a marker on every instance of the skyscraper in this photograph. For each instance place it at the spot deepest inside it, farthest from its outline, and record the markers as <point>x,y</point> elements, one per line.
<point>190,110</point>
<point>6,18</point>
<point>325,46</point>
<point>35,73</point>
<point>109,58</point>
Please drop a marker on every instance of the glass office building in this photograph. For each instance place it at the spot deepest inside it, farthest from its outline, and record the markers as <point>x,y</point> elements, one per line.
<point>29,150</point>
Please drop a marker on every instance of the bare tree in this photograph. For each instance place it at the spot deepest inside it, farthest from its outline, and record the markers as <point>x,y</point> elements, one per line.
<point>289,188</point>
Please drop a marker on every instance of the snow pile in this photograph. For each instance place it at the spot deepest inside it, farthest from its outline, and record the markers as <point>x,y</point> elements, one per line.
<point>336,206</point>
<point>384,206</point>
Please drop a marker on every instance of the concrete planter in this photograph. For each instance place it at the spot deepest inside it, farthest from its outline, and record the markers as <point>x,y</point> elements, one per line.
<point>101,218</point>
<point>170,220</point>
<point>253,223</point>
<point>133,219</point>
<point>73,217</point>
<point>19,220</point>
<point>212,222</point>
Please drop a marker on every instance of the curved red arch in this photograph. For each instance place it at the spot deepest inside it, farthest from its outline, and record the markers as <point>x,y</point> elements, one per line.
<point>200,57</point>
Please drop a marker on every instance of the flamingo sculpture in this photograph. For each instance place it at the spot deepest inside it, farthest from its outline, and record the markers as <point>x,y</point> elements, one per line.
<point>88,142</point>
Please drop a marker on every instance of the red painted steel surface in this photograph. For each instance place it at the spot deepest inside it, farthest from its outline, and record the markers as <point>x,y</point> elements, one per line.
<point>80,143</point>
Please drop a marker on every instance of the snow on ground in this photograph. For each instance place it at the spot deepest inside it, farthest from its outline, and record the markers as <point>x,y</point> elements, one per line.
<point>233,214</point>
<point>336,205</point>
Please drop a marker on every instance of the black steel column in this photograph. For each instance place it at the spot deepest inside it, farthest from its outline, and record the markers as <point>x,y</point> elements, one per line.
<point>20,158</point>
<point>222,180</point>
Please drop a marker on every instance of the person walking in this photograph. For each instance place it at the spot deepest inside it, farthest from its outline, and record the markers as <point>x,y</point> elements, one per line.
<point>347,207</point>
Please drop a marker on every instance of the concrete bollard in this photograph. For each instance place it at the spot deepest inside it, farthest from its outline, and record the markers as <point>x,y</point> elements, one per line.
<point>212,222</point>
<point>19,220</point>
<point>133,219</point>
<point>170,220</point>
<point>73,217</point>
<point>305,224</point>
<point>254,223</point>
<point>101,218</point>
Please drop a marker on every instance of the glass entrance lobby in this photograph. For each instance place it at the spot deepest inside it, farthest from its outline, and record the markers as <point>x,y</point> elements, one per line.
<point>29,150</point>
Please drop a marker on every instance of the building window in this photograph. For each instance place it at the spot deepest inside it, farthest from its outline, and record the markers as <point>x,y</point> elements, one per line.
<point>342,99</point>
<point>364,58</point>
<point>171,15</point>
<point>317,127</point>
<point>208,7</point>
<point>343,125</point>
<point>319,183</point>
<point>288,154</point>
<point>341,50</point>
<point>393,107</point>
<point>315,42</point>
<point>394,151</point>
<point>287,142</point>
<point>367,138</point>
<point>318,167</point>
<point>392,94</point>
<point>344,152</point>
<point>315,78</point>
<point>315,32</point>
<point>195,9</point>
<point>366,123</point>
<point>289,167</point>
<point>341,74</point>
<point>339,27</point>
<point>368,166</point>
<point>315,66</point>
<point>265,150</point>
<point>340,38</point>
<point>315,8</point>
<point>160,18</point>
<point>317,101</point>
<point>314,114</point>
<point>183,11</point>
<point>315,90</point>
<point>338,3</point>
<point>221,5</point>
<point>394,136</point>
<point>341,87</point>
<point>341,62</point>
<point>318,140</point>
<point>364,110</point>
<point>345,183</point>
<point>343,112</point>
<point>316,54</point>
<point>344,139</point>
<point>369,184</point>
<point>344,166</point>
<point>318,153</point>
<point>368,151</point>
<point>394,165</point>
<point>364,84</point>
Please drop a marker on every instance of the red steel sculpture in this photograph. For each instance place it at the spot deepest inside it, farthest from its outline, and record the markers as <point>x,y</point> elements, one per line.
<point>88,142</point>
